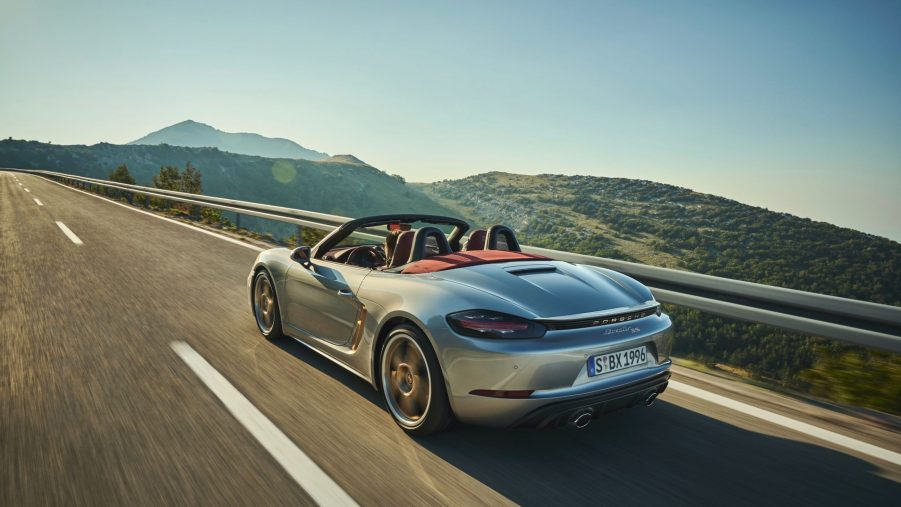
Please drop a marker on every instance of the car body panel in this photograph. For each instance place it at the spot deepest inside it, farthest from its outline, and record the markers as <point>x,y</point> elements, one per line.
<point>320,300</point>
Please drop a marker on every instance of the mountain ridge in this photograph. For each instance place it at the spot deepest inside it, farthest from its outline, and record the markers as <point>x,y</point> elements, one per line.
<point>193,134</point>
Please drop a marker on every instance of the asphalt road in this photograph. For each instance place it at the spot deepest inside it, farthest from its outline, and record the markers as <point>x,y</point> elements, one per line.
<point>96,408</point>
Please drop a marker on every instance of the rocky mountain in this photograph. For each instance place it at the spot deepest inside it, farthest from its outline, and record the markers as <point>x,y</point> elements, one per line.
<point>193,134</point>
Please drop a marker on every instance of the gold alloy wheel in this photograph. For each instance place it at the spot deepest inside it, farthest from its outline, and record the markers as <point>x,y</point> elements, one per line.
<point>406,381</point>
<point>264,303</point>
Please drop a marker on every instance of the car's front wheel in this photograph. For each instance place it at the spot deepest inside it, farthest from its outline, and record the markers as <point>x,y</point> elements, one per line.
<point>265,306</point>
<point>412,383</point>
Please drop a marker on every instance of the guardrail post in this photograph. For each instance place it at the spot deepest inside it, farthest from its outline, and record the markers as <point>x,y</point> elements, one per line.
<point>298,236</point>
<point>237,221</point>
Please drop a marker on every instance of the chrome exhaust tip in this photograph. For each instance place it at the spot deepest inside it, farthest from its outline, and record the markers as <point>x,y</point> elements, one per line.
<point>582,419</point>
<point>650,399</point>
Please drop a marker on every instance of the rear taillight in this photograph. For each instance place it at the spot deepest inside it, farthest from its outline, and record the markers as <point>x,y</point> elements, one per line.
<point>491,393</point>
<point>489,324</point>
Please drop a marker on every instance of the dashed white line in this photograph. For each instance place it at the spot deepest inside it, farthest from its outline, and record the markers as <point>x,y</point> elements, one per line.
<point>29,191</point>
<point>787,422</point>
<point>299,466</point>
<point>38,202</point>
<point>189,226</point>
<point>71,235</point>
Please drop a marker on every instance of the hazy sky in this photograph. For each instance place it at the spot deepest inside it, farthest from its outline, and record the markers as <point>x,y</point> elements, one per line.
<point>795,106</point>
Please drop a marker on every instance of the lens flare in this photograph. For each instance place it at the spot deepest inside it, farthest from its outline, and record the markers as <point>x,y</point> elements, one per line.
<point>284,171</point>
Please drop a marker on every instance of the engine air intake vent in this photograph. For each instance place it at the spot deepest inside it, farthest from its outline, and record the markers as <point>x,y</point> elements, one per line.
<point>532,270</point>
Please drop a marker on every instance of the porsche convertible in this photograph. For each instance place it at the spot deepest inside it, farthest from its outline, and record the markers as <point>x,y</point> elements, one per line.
<point>467,327</point>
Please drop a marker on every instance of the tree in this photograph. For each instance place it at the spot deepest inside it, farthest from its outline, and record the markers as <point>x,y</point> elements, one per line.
<point>189,180</point>
<point>121,175</point>
<point>168,178</point>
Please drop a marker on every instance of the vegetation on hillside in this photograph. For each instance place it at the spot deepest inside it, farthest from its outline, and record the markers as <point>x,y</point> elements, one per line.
<point>188,180</point>
<point>339,185</point>
<point>675,227</point>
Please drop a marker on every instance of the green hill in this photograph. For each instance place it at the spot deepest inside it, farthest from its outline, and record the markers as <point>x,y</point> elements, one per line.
<point>341,185</point>
<point>675,227</point>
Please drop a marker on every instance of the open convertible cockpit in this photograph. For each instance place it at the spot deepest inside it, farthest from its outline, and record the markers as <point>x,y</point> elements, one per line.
<point>413,244</point>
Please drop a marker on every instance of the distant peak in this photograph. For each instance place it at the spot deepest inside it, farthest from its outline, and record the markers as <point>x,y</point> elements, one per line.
<point>191,123</point>
<point>345,159</point>
<point>194,134</point>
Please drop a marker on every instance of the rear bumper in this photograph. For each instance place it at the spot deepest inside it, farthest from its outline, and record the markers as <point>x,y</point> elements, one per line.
<point>554,368</point>
<point>556,407</point>
<point>560,413</point>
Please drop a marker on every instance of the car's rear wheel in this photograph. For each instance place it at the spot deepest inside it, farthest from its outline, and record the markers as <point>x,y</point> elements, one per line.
<point>412,383</point>
<point>265,306</point>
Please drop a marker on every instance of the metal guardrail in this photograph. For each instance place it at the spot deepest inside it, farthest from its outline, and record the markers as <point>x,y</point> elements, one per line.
<point>858,322</point>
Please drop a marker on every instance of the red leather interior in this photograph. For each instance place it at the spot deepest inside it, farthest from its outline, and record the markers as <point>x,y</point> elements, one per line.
<point>402,249</point>
<point>468,258</point>
<point>476,240</point>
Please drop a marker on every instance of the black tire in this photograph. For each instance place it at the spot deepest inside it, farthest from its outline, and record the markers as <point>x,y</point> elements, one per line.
<point>437,415</point>
<point>265,309</point>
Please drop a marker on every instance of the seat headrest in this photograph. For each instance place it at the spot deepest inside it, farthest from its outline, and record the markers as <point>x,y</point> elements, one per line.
<point>505,233</point>
<point>476,240</point>
<point>402,249</point>
<point>420,243</point>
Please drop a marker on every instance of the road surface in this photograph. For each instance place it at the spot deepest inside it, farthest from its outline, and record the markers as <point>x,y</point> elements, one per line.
<point>97,408</point>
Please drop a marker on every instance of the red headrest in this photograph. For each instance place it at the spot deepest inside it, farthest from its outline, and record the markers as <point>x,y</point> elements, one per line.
<point>476,240</point>
<point>402,249</point>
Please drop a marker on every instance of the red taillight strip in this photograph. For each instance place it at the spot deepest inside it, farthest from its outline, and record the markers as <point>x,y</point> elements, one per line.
<point>487,325</point>
<point>503,394</point>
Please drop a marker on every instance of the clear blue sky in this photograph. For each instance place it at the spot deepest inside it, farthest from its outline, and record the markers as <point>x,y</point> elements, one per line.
<point>795,106</point>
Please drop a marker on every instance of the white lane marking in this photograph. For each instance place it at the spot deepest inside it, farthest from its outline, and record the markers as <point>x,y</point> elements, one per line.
<point>29,191</point>
<point>299,466</point>
<point>189,226</point>
<point>69,233</point>
<point>787,422</point>
<point>38,202</point>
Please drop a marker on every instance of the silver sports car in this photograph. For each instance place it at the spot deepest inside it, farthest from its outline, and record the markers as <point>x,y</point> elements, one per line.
<point>474,331</point>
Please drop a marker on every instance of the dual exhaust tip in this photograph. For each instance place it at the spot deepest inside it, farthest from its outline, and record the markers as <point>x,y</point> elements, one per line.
<point>583,417</point>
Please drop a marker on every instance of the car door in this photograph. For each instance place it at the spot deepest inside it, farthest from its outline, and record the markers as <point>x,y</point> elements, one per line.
<point>321,300</point>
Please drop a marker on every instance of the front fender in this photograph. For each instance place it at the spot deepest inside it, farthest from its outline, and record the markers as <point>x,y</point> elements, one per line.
<point>276,262</point>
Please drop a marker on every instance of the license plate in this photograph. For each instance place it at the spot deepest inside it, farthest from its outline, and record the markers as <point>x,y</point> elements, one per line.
<point>619,360</point>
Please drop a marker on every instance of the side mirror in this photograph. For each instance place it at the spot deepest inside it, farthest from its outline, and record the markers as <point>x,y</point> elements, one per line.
<point>301,254</point>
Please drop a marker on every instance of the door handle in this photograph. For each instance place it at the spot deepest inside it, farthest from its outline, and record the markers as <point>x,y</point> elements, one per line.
<point>345,292</point>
